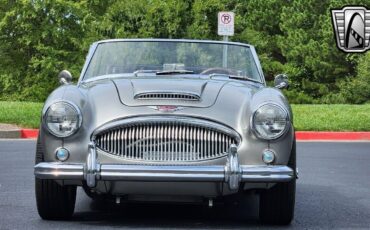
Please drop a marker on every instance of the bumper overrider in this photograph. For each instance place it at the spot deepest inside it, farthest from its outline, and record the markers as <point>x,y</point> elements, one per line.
<point>232,173</point>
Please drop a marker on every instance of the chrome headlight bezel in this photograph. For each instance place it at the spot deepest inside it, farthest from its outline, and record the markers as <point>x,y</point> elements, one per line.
<point>282,133</point>
<point>76,110</point>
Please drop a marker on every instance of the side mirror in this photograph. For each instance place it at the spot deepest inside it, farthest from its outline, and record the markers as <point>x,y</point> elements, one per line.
<point>65,77</point>
<point>281,81</point>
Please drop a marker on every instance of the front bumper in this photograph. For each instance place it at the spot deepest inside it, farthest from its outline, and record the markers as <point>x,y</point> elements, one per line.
<point>232,173</point>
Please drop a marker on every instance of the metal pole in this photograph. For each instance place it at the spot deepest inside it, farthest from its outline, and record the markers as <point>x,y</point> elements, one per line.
<point>224,54</point>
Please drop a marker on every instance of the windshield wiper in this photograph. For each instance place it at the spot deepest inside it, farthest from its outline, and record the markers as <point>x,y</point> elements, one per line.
<point>168,72</point>
<point>136,72</point>
<point>234,77</point>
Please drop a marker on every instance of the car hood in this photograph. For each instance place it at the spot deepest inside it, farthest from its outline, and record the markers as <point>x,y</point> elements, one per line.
<point>218,97</point>
<point>231,102</point>
<point>168,91</point>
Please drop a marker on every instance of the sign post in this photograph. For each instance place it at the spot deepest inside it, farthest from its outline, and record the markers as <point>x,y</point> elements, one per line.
<point>225,29</point>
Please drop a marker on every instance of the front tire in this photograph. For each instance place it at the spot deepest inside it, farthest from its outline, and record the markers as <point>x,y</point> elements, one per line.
<point>54,201</point>
<point>277,203</point>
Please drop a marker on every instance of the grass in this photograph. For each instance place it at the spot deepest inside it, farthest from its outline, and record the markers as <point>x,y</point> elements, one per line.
<point>332,117</point>
<point>23,114</point>
<point>306,117</point>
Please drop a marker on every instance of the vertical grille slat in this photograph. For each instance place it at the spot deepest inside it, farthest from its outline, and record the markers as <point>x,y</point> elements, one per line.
<point>108,142</point>
<point>126,143</point>
<point>208,144</point>
<point>186,145</point>
<point>114,141</point>
<point>202,141</point>
<point>165,142</point>
<point>172,149</point>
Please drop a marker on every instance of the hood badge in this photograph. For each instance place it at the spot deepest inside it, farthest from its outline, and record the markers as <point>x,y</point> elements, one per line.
<point>166,108</point>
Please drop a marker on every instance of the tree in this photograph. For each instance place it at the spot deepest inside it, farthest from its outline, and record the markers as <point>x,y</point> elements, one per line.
<point>357,89</point>
<point>40,38</point>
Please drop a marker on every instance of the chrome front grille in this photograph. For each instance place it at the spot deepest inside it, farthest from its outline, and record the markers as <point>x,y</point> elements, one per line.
<point>167,140</point>
<point>169,96</point>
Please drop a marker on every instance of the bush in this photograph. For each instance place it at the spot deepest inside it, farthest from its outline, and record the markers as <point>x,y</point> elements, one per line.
<point>298,97</point>
<point>356,90</point>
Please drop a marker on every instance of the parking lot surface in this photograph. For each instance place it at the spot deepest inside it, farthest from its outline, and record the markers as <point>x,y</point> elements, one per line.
<point>333,191</point>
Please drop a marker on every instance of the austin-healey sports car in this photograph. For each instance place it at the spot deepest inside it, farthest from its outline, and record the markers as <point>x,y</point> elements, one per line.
<point>167,120</point>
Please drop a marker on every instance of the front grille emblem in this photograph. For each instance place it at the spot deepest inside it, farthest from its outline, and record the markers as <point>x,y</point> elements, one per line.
<point>166,108</point>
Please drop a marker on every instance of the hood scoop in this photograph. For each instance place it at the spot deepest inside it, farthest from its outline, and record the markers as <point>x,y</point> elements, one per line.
<point>165,91</point>
<point>183,96</point>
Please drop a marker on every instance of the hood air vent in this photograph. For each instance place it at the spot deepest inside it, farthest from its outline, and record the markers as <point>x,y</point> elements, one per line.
<point>168,96</point>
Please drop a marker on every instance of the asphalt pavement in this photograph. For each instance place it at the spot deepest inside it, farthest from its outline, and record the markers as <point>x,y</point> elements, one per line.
<point>333,192</point>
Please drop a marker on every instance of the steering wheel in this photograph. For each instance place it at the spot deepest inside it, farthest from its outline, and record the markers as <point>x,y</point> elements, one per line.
<point>217,71</point>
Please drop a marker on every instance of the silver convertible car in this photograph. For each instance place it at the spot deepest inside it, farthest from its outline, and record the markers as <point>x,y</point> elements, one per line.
<point>167,120</point>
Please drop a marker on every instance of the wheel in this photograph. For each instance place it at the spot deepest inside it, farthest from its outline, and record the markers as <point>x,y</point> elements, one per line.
<point>277,203</point>
<point>54,202</point>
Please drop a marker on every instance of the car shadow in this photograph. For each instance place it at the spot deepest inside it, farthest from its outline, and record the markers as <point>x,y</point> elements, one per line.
<point>169,215</point>
<point>316,207</point>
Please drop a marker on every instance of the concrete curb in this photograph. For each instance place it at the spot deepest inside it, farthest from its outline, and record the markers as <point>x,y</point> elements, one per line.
<point>300,135</point>
<point>10,133</point>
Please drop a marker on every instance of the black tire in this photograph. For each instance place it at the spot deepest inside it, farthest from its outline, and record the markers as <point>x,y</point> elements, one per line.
<point>277,203</point>
<point>54,202</point>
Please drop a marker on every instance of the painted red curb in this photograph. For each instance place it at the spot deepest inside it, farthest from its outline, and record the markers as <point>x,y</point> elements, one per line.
<point>300,135</point>
<point>334,136</point>
<point>29,133</point>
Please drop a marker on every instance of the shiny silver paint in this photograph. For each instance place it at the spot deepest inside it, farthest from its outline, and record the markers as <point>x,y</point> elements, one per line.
<point>226,102</point>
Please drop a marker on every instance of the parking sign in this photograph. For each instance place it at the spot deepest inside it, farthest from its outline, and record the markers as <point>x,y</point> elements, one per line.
<point>225,23</point>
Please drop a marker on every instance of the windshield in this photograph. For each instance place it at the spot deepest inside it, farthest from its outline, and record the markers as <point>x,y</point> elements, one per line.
<point>172,57</point>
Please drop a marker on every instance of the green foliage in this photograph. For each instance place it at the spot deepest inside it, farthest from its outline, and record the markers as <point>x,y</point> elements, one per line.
<point>357,90</point>
<point>299,97</point>
<point>331,117</point>
<point>260,26</point>
<point>39,38</point>
<point>23,114</point>
<point>315,63</point>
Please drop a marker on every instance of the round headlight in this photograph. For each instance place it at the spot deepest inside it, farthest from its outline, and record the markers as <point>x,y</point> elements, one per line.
<point>270,121</point>
<point>63,119</point>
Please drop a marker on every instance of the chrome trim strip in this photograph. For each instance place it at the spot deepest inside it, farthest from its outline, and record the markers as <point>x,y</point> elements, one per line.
<point>216,173</point>
<point>57,170</point>
<point>171,40</point>
<point>162,173</point>
<point>276,173</point>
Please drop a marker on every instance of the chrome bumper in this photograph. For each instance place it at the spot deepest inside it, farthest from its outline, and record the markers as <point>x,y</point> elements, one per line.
<point>232,173</point>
